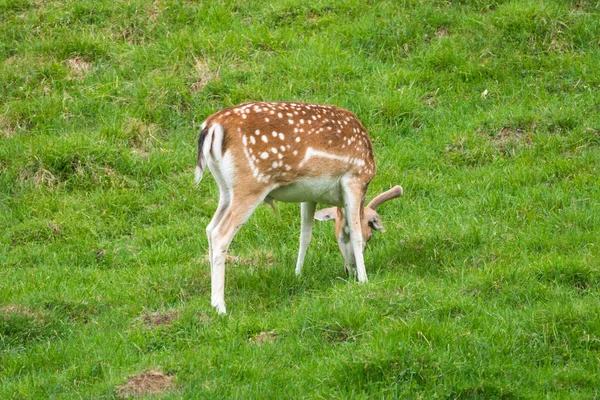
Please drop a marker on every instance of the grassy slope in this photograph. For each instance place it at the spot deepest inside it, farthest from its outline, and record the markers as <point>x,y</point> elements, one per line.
<point>486,284</point>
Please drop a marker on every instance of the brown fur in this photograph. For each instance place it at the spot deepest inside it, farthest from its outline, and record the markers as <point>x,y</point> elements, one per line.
<point>293,152</point>
<point>324,128</point>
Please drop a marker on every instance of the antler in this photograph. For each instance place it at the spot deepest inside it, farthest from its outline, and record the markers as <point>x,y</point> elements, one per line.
<point>394,192</point>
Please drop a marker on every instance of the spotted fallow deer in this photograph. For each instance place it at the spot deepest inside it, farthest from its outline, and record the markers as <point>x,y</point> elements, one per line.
<point>291,152</point>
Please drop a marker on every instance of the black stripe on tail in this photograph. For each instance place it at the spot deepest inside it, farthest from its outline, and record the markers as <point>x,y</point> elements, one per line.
<point>201,139</point>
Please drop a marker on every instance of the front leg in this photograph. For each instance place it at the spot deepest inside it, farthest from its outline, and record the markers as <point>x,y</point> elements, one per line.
<point>345,246</point>
<point>238,212</point>
<point>307,213</point>
<point>353,198</point>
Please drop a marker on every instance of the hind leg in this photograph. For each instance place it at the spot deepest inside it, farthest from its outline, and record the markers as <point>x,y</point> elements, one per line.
<point>240,209</point>
<point>224,202</point>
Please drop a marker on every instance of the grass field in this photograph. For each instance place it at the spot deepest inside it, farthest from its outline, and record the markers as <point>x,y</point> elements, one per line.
<point>486,284</point>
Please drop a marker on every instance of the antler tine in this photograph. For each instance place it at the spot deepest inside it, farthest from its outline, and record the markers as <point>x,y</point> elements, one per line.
<point>394,192</point>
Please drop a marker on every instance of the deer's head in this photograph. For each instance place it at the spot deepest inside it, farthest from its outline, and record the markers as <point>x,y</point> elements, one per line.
<point>371,220</point>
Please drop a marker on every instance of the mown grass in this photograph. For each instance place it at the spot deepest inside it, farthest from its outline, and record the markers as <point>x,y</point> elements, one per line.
<point>486,284</point>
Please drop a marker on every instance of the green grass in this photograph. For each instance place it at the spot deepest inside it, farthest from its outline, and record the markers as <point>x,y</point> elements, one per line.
<point>486,284</point>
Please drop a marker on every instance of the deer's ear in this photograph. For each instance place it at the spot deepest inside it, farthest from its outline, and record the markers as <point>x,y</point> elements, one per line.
<point>373,219</point>
<point>326,214</point>
<point>375,223</point>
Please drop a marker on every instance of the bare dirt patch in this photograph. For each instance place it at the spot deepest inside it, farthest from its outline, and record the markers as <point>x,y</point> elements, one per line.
<point>442,31</point>
<point>507,133</point>
<point>146,384</point>
<point>263,337</point>
<point>508,138</point>
<point>154,319</point>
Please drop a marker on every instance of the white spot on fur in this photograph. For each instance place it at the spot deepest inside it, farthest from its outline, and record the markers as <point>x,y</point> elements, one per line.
<point>264,138</point>
<point>264,155</point>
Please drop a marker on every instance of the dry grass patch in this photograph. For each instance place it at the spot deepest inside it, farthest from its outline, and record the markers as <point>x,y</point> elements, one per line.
<point>41,177</point>
<point>263,337</point>
<point>203,75</point>
<point>430,99</point>
<point>11,309</point>
<point>155,11</point>
<point>7,127</point>
<point>140,135</point>
<point>146,384</point>
<point>257,257</point>
<point>79,67</point>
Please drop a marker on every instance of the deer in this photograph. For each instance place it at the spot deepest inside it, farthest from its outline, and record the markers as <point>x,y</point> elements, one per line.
<point>289,152</point>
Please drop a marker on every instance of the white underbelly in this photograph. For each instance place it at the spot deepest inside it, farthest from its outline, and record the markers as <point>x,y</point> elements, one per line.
<point>320,190</point>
